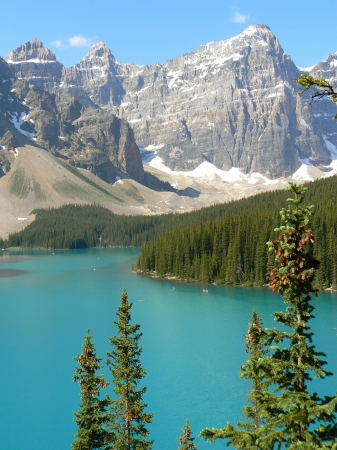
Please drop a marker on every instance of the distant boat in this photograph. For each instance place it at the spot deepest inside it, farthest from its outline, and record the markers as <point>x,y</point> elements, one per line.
<point>142,300</point>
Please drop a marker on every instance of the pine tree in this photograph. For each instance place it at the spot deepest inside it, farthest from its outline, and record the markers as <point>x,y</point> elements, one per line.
<point>92,418</point>
<point>298,418</point>
<point>289,415</point>
<point>129,419</point>
<point>186,440</point>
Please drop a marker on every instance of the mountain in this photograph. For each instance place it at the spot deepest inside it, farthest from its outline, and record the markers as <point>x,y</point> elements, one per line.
<point>214,125</point>
<point>92,139</point>
<point>233,103</point>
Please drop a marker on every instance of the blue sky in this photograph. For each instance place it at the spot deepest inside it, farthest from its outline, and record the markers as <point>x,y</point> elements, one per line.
<point>149,31</point>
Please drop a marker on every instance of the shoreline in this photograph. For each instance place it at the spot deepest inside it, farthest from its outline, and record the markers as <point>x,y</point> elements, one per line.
<point>180,280</point>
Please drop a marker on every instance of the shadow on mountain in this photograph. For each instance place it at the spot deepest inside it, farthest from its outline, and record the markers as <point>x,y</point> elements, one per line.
<point>188,192</point>
<point>152,182</point>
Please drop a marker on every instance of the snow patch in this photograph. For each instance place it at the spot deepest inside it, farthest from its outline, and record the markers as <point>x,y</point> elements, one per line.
<point>135,120</point>
<point>332,166</point>
<point>206,171</point>
<point>331,147</point>
<point>302,174</point>
<point>33,60</point>
<point>17,121</point>
<point>278,94</point>
<point>143,89</point>
<point>154,147</point>
<point>308,69</point>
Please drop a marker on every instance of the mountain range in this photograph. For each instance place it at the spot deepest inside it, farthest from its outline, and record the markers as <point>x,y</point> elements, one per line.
<point>226,114</point>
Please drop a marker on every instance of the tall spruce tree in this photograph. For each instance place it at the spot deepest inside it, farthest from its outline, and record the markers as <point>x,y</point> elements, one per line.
<point>292,416</point>
<point>93,418</point>
<point>246,434</point>
<point>129,419</point>
<point>186,440</point>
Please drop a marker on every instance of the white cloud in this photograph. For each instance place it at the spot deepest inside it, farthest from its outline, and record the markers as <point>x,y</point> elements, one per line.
<point>79,41</point>
<point>239,18</point>
<point>58,44</point>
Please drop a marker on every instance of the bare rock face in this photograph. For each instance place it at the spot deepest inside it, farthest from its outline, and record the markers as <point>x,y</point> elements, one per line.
<point>324,110</point>
<point>232,102</point>
<point>113,142</point>
<point>34,62</point>
<point>97,75</point>
<point>10,109</point>
<point>89,138</point>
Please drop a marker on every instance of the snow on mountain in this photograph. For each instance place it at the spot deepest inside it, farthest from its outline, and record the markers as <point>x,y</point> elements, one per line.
<point>233,101</point>
<point>18,120</point>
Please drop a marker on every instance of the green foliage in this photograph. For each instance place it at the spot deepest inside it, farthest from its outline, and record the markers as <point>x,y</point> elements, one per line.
<point>325,89</point>
<point>22,186</point>
<point>19,184</point>
<point>186,440</point>
<point>129,420</point>
<point>81,226</point>
<point>297,416</point>
<point>93,418</point>
<point>88,181</point>
<point>230,248</point>
<point>289,416</point>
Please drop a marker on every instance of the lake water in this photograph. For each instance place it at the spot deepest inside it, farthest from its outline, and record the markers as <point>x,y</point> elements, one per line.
<point>193,344</point>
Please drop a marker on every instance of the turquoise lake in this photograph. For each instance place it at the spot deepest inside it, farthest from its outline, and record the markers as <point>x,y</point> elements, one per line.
<point>192,344</point>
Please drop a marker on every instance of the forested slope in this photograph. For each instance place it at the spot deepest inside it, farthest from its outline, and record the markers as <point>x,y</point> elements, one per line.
<point>231,249</point>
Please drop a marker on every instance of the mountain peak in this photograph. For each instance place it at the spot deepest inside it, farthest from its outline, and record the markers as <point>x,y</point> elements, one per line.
<point>257,29</point>
<point>258,33</point>
<point>32,50</point>
<point>98,50</point>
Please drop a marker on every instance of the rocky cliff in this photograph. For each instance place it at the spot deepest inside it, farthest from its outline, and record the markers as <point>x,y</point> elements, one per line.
<point>33,107</point>
<point>323,110</point>
<point>233,103</point>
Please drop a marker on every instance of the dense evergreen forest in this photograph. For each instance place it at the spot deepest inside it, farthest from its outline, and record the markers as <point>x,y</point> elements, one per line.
<point>84,226</point>
<point>231,249</point>
<point>222,243</point>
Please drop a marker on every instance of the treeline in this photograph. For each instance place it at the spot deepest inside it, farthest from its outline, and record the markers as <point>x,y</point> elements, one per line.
<point>83,226</point>
<point>232,248</point>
